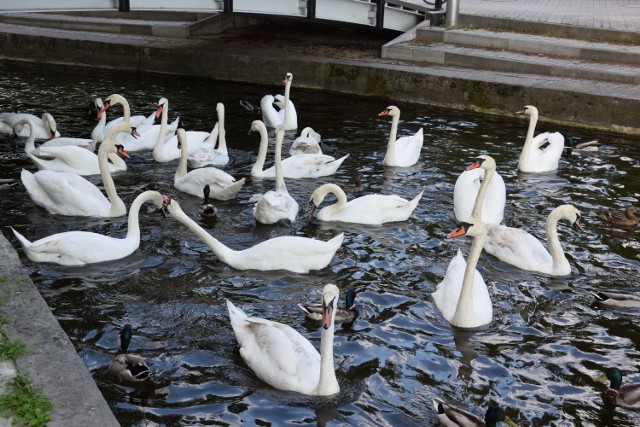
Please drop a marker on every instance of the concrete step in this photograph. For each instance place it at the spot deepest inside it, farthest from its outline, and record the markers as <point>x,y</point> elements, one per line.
<point>506,61</point>
<point>121,23</point>
<point>536,44</point>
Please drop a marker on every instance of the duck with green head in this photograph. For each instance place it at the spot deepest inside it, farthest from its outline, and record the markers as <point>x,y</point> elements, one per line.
<point>451,416</point>
<point>127,366</point>
<point>627,396</point>
<point>344,314</point>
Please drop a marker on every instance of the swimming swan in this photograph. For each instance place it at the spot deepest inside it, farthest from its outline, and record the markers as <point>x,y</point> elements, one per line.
<point>519,248</point>
<point>43,128</point>
<point>66,193</point>
<point>404,151</point>
<point>277,204</point>
<point>167,149</point>
<point>222,185</point>
<point>542,153</point>
<point>307,143</point>
<point>208,154</point>
<point>480,181</point>
<point>300,166</point>
<point>77,248</point>
<point>462,296</point>
<point>280,356</point>
<point>372,209</point>
<point>293,253</point>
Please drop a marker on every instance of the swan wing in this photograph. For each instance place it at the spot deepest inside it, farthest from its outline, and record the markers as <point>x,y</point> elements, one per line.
<point>545,152</point>
<point>372,209</point>
<point>270,115</point>
<point>517,247</point>
<point>310,166</point>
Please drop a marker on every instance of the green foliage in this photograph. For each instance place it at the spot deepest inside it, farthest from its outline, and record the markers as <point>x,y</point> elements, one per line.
<point>28,405</point>
<point>11,350</point>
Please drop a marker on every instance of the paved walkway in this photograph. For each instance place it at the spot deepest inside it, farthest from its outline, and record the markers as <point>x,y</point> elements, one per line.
<point>623,15</point>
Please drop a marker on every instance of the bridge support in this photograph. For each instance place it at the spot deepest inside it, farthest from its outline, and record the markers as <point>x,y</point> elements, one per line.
<point>124,6</point>
<point>228,6</point>
<point>380,13</point>
<point>311,9</point>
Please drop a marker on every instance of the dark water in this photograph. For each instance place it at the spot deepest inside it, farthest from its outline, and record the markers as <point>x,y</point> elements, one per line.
<point>538,356</point>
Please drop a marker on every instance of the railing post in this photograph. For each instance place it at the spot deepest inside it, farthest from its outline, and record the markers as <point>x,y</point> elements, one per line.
<point>452,13</point>
<point>311,9</point>
<point>380,13</point>
<point>123,6</point>
<point>228,6</point>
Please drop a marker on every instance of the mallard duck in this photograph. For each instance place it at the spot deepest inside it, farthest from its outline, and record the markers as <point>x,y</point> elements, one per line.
<point>627,396</point>
<point>617,299</point>
<point>343,314</point>
<point>207,210</point>
<point>612,217</point>
<point>572,145</point>
<point>356,187</point>
<point>452,416</point>
<point>127,366</point>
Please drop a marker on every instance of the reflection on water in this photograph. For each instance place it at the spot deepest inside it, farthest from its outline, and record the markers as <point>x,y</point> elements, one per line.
<point>537,357</point>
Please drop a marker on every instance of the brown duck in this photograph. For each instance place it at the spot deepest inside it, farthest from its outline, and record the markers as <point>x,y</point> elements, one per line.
<point>612,217</point>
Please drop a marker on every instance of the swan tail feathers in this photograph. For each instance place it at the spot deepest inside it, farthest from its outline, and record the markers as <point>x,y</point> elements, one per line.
<point>23,240</point>
<point>231,191</point>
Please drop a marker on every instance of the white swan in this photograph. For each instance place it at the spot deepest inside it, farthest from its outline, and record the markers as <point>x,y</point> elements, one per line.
<point>167,149</point>
<point>307,143</point>
<point>70,158</point>
<point>208,154</point>
<point>542,153</point>
<point>519,248</point>
<point>76,248</point>
<point>43,128</point>
<point>462,296</point>
<point>286,116</point>
<point>293,253</point>
<point>147,132</point>
<point>283,358</point>
<point>300,166</point>
<point>65,193</point>
<point>277,204</point>
<point>222,185</point>
<point>480,181</point>
<point>404,151</point>
<point>372,209</point>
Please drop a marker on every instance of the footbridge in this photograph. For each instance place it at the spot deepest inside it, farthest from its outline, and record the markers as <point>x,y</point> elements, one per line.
<point>396,15</point>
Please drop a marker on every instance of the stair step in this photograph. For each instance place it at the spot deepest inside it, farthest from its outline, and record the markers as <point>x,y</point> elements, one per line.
<point>505,61</point>
<point>163,28</point>
<point>537,44</point>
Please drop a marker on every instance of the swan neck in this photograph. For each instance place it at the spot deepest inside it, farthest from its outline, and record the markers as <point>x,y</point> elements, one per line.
<point>182,165</point>
<point>524,155</point>
<point>482,191</point>
<point>327,383</point>
<point>280,184</point>
<point>164,117</point>
<point>341,198</point>
<point>222,133</point>
<point>287,90</point>
<point>465,302</point>
<point>133,230</point>
<point>392,136</point>
<point>220,250</point>
<point>262,152</point>
<point>107,179</point>
<point>30,145</point>
<point>555,247</point>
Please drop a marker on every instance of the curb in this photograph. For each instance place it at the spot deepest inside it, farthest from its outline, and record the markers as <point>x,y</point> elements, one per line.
<point>53,364</point>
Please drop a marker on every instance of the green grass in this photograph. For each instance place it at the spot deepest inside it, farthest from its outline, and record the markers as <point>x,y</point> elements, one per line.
<point>11,350</point>
<point>27,405</point>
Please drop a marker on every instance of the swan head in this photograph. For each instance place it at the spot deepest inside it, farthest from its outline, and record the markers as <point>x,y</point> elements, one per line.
<point>50,123</point>
<point>571,214</point>
<point>97,107</point>
<point>112,100</point>
<point>257,126</point>
<point>471,227</point>
<point>484,161</point>
<point>528,110</point>
<point>288,78</point>
<point>330,295</point>
<point>391,110</point>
